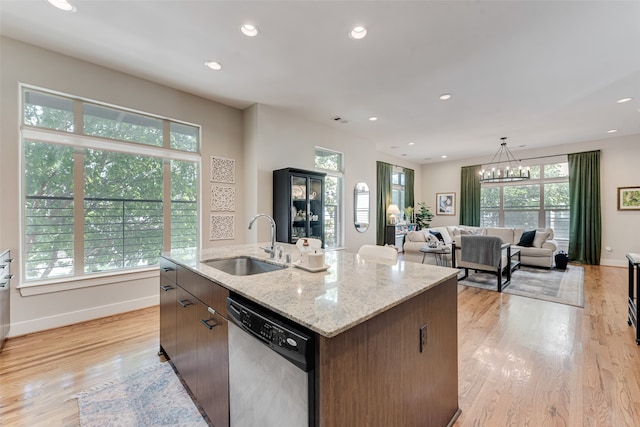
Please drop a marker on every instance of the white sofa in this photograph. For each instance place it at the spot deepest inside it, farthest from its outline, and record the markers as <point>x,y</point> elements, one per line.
<point>541,254</point>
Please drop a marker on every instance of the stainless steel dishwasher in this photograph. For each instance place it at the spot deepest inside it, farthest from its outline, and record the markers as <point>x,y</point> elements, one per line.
<point>271,369</point>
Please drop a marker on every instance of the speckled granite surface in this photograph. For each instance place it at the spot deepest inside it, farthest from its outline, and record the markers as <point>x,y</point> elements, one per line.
<point>351,291</point>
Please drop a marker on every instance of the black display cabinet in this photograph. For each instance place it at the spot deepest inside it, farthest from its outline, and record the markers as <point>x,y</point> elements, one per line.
<point>298,204</point>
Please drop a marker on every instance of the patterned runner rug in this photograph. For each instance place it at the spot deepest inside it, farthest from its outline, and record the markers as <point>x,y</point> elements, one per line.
<point>152,396</point>
<point>564,287</point>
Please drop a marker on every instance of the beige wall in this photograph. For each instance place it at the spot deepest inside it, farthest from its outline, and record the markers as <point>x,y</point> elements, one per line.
<point>221,136</point>
<point>278,140</point>
<point>619,168</point>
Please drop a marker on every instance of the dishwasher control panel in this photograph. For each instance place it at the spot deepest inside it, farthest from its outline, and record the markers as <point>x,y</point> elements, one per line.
<point>283,337</point>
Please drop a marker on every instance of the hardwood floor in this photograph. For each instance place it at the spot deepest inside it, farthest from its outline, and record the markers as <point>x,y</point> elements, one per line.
<point>40,372</point>
<point>522,362</point>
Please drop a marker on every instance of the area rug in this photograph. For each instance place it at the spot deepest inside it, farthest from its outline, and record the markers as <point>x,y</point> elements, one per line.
<point>560,286</point>
<point>153,396</point>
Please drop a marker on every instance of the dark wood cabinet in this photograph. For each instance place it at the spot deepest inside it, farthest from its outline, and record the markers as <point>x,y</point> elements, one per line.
<point>298,204</point>
<point>194,335</point>
<point>185,360</point>
<point>212,388</point>
<point>168,293</point>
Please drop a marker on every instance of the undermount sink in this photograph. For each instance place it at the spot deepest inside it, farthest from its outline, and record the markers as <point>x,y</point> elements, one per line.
<point>243,265</point>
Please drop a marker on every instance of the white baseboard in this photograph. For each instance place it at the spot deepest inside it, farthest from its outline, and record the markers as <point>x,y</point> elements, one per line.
<point>64,319</point>
<point>614,262</point>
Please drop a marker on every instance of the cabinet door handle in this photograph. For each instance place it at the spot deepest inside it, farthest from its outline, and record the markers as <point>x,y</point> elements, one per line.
<point>208,324</point>
<point>167,269</point>
<point>4,284</point>
<point>166,288</point>
<point>185,303</point>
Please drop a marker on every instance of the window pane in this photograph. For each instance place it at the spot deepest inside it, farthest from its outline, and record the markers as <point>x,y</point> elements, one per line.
<point>123,210</point>
<point>489,218</point>
<point>535,171</point>
<point>184,204</point>
<point>521,196</point>
<point>558,220</point>
<point>490,197</point>
<point>556,195</point>
<point>48,111</point>
<point>521,219</point>
<point>328,160</point>
<point>184,137</point>
<point>48,171</point>
<point>122,125</point>
<point>556,170</point>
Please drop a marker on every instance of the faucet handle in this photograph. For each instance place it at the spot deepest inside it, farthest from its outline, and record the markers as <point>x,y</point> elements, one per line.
<point>279,252</point>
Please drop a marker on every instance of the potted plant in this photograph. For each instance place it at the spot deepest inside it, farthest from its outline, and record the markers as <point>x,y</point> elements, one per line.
<point>423,216</point>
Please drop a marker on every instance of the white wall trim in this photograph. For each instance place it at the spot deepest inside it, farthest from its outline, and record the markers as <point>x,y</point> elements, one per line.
<point>64,319</point>
<point>79,282</point>
<point>614,262</point>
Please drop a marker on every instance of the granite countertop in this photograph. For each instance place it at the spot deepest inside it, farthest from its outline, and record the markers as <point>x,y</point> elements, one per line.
<point>351,291</point>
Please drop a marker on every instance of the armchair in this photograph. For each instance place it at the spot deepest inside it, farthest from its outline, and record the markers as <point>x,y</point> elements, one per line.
<point>483,253</point>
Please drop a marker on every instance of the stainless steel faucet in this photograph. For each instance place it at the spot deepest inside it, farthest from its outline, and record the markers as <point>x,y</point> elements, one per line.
<point>272,250</point>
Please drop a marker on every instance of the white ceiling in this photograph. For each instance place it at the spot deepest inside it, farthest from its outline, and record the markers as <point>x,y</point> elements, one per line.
<point>541,73</point>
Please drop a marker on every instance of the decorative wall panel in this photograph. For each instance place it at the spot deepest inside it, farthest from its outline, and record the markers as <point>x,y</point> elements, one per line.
<point>223,169</point>
<point>221,227</point>
<point>223,198</point>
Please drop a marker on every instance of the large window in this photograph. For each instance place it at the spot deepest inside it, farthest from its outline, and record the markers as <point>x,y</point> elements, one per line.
<point>109,197</point>
<point>541,202</point>
<point>397,187</point>
<point>331,162</point>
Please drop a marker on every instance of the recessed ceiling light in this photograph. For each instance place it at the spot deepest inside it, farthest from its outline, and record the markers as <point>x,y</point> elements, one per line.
<point>213,65</point>
<point>612,131</point>
<point>63,5</point>
<point>249,30</point>
<point>373,118</point>
<point>445,96</point>
<point>358,33</point>
<point>404,155</point>
<point>623,100</point>
<point>412,143</point>
<point>393,146</point>
<point>444,156</point>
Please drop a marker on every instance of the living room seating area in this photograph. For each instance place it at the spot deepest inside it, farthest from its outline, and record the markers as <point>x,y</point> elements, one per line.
<point>537,247</point>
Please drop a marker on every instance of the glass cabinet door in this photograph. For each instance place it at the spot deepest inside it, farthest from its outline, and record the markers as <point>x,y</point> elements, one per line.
<point>315,211</point>
<point>299,208</point>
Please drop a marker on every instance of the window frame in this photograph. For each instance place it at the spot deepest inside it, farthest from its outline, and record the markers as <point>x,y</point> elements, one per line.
<point>540,180</point>
<point>337,173</point>
<point>81,142</point>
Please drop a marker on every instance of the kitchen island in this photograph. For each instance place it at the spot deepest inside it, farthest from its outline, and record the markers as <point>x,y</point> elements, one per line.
<point>385,335</point>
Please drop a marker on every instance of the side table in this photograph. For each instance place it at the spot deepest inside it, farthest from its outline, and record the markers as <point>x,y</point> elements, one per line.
<point>634,308</point>
<point>439,254</point>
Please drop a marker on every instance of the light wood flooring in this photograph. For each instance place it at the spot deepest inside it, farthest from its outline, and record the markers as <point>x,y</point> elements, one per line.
<point>522,362</point>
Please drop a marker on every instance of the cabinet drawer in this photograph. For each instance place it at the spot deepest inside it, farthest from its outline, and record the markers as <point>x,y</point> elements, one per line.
<point>210,293</point>
<point>167,270</point>
<point>5,268</point>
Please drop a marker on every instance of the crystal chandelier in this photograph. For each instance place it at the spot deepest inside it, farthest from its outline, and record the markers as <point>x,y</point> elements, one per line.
<point>507,170</point>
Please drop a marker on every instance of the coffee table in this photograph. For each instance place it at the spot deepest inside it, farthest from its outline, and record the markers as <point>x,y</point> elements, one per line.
<point>438,253</point>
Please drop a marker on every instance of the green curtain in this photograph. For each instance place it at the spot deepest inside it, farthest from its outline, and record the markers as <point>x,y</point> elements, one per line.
<point>470,195</point>
<point>585,226</point>
<point>383,198</point>
<point>409,198</point>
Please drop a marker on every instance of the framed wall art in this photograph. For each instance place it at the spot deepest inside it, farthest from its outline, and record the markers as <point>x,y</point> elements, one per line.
<point>445,203</point>
<point>629,198</point>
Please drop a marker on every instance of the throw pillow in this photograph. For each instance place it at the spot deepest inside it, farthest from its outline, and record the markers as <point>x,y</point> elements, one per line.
<point>541,237</point>
<point>437,234</point>
<point>527,239</point>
